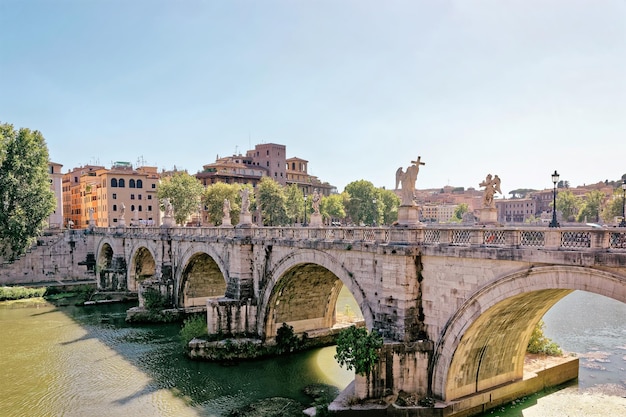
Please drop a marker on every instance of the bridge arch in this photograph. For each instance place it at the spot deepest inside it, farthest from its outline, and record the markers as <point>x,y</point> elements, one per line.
<point>202,276</point>
<point>142,265</point>
<point>484,343</point>
<point>315,301</point>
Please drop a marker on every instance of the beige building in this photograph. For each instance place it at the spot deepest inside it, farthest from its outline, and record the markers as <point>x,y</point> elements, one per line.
<point>268,159</point>
<point>517,210</point>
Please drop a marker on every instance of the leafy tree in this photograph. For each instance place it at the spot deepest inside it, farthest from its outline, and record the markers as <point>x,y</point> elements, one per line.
<point>184,192</point>
<point>520,192</point>
<point>568,204</point>
<point>591,207</point>
<point>614,207</point>
<point>358,349</point>
<point>459,211</point>
<point>331,207</point>
<point>25,193</point>
<point>539,343</point>
<point>213,199</point>
<point>390,203</point>
<point>271,199</point>
<point>294,203</point>
<point>362,205</point>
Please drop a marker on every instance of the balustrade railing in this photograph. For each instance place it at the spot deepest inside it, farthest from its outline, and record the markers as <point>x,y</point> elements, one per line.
<point>531,237</point>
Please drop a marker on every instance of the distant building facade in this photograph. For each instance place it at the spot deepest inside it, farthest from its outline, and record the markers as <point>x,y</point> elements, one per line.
<point>55,220</point>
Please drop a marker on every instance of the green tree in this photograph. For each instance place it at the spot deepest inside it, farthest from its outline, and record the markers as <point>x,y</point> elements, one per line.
<point>568,204</point>
<point>358,349</point>
<point>520,192</point>
<point>614,206</point>
<point>213,200</point>
<point>294,203</point>
<point>24,189</point>
<point>331,207</point>
<point>184,192</point>
<point>362,204</point>
<point>271,201</point>
<point>459,211</point>
<point>591,207</point>
<point>539,343</point>
<point>390,203</point>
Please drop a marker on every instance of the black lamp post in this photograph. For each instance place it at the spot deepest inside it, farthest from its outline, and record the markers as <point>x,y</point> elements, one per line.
<point>555,179</point>
<point>623,222</point>
<point>304,193</point>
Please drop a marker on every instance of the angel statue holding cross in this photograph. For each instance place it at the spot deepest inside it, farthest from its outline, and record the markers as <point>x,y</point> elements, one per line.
<point>407,179</point>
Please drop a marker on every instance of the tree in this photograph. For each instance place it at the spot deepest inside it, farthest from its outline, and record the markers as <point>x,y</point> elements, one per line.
<point>24,189</point>
<point>294,203</point>
<point>213,200</point>
<point>358,349</point>
<point>568,204</point>
<point>459,211</point>
<point>591,207</point>
<point>271,200</point>
<point>331,207</point>
<point>520,192</point>
<point>614,207</point>
<point>362,204</point>
<point>184,192</point>
<point>390,203</point>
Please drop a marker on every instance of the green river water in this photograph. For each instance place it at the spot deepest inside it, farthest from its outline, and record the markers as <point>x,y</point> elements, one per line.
<point>86,361</point>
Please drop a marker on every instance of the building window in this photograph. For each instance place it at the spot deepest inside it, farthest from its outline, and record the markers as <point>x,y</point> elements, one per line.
<point>153,185</point>
<point>131,183</point>
<point>114,196</point>
<point>139,197</point>
<point>149,196</point>
<point>149,208</point>
<point>139,208</point>
<point>132,196</point>
<point>113,182</point>
<point>132,207</point>
<point>114,207</point>
<point>139,184</point>
<point>121,183</point>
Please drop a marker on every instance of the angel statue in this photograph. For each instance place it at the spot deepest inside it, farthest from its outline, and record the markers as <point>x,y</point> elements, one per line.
<point>492,185</point>
<point>407,179</point>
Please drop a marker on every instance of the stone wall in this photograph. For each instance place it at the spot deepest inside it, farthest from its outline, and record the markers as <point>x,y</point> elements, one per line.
<point>56,257</point>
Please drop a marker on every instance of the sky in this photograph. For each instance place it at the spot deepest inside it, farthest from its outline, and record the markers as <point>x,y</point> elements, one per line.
<point>359,88</point>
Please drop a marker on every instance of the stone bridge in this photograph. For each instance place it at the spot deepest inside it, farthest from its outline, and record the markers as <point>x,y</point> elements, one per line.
<point>456,305</point>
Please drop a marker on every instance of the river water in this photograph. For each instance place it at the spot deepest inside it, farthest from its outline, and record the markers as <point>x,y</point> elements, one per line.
<point>86,361</point>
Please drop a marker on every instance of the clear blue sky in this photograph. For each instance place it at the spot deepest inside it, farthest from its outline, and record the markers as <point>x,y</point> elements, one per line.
<point>359,88</point>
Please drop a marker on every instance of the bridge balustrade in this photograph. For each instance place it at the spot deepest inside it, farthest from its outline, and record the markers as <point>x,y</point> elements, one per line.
<point>535,237</point>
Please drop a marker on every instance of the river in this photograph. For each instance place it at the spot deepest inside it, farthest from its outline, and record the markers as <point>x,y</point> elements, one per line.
<point>86,361</point>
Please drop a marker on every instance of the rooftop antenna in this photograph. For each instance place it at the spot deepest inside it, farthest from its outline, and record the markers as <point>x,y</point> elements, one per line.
<point>236,148</point>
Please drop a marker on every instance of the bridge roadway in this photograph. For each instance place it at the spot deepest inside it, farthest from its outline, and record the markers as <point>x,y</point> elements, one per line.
<point>456,305</point>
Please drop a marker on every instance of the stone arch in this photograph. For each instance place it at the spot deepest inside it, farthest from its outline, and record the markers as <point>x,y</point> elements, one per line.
<point>142,266</point>
<point>201,277</point>
<point>327,276</point>
<point>484,342</point>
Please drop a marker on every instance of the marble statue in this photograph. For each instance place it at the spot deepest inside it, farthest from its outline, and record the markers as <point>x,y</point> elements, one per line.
<point>169,210</point>
<point>407,179</point>
<point>315,201</point>
<point>245,200</point>
<point>492,185</point>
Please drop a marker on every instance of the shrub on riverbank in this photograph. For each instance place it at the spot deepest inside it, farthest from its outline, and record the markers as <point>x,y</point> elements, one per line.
<point>193,326</point>
<point>539,343</point>
<point>19,293</point>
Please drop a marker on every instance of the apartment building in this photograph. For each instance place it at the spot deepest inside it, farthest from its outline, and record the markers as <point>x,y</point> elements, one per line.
<point>55,220</point>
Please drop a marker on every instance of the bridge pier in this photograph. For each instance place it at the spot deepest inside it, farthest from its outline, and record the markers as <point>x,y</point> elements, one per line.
<point>229,316</point>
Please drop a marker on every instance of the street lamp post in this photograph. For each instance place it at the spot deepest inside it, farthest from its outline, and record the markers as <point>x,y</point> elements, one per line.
<point>555,179</point>
<point>623,222</point>
<point>304,194</point>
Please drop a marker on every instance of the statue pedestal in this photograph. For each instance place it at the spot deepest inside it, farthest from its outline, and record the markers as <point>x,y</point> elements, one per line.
<point>488,215</point>
<point>408,216</point>
<point>245,220</point>
<point>121,222</point>
<point>168,221</point>
<point>316,220</point>
<point>226,222</point>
